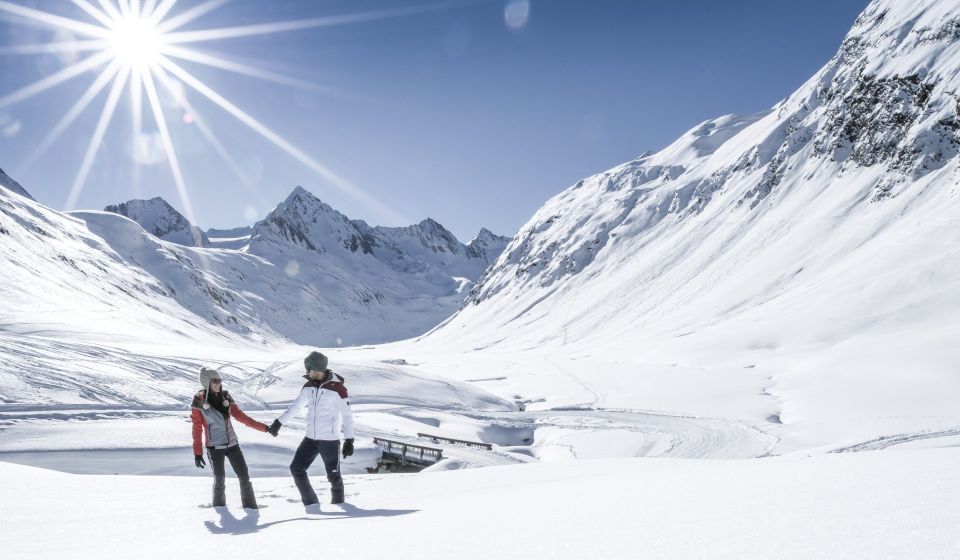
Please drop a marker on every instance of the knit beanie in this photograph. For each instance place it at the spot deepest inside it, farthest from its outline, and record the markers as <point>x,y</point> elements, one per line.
<point>315,361</point>
<point>207,375</point>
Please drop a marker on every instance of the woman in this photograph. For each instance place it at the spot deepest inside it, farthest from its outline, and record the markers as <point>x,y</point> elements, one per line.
<point>211,411</point>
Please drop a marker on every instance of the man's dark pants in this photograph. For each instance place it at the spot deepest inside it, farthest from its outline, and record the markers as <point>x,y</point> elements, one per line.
<point>239,465</point>
<point>329,452</point>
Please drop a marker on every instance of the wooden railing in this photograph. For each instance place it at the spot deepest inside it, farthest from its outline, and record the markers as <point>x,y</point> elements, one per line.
<point>437,439</point>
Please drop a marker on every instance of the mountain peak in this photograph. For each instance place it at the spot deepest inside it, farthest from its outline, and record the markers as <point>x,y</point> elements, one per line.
<point>431,223</point>
<point>158,217</point>
<point>298,190</point>
<point>303,201</point>
<point>305,221</point>
<point>485,233</point>
<point>487,245</point>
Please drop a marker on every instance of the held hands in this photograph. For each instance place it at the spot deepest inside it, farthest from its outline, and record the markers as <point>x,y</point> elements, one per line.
<point>274,428</point>
<point>347,447</point>
<point>198,460</point>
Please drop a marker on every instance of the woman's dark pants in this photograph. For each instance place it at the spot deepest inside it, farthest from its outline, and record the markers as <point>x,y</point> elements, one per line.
<point>329,452</point>
<point>239,465</point>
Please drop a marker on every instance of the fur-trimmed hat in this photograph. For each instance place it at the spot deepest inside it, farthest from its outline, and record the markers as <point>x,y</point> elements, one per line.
<point>315,361</point>
<point>207,375</point>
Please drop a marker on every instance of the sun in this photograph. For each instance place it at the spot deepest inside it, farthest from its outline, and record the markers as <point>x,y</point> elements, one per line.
<point>135,41</point>
<point>138,47</point>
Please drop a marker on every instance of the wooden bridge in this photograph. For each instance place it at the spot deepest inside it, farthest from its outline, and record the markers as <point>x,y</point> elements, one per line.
<point>402,456</point>
<point>408,456</point>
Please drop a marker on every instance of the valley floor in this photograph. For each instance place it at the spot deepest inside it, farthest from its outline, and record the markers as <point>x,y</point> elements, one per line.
<point>590,457</point>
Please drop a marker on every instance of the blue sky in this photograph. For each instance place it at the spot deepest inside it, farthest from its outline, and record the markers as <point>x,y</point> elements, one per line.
<point>449,113</point>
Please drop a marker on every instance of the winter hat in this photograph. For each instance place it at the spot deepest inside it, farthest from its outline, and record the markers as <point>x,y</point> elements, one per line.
<point>315,361</point>
<point>207,375</point>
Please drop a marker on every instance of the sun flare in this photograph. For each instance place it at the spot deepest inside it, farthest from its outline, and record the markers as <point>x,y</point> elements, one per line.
<point>137,46</point>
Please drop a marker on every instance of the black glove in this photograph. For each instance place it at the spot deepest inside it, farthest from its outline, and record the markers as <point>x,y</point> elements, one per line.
<point>347,447</point>
<point>274,428</point>
<point>198,460</point>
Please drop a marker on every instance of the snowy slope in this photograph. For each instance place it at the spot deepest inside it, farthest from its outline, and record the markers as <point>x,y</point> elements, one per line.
<point>71,309</point>
<point>807,252</point>
<point>162,220</point>
<point>59,277</point>
<point>9,184</point>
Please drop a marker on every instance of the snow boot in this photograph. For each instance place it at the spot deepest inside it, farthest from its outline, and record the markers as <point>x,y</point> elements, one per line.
<point>247,497</point>
<point>219,498</point>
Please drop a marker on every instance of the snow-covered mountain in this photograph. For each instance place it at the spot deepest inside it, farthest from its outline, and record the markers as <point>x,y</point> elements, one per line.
<point>9,184</point>
<point>429,242</point>
<point>745,209</point>
<point>162,220</point>
<point>305,273</point>
<point>809,249</point>
<point>425,249</point>
<point>487,245</point>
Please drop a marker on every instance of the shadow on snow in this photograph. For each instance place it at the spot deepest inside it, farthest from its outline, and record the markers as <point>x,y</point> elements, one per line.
<point>250,522</point>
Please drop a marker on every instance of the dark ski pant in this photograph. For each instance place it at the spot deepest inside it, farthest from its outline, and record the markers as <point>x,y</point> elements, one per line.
<point>329,452</point>
<point>239,465</point>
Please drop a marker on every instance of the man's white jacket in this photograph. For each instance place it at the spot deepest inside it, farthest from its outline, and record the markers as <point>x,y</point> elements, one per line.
<point>327,404</point>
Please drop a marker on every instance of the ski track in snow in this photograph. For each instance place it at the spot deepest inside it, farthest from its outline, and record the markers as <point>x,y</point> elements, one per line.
<point>884,442</point>
<point>688,437</point>
<point>100,374</point>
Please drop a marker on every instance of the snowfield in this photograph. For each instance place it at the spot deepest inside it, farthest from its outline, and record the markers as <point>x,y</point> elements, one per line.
<point>878,505</point>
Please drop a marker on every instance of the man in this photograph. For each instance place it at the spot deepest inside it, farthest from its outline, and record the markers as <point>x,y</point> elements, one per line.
<point>327,403</point>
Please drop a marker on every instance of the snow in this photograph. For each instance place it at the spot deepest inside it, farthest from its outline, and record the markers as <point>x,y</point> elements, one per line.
<point>868,505</point>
